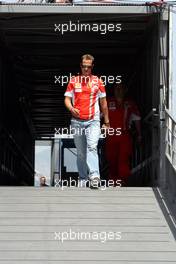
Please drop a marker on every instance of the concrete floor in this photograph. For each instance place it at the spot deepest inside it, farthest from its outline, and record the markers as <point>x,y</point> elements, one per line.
<point>122,225</point>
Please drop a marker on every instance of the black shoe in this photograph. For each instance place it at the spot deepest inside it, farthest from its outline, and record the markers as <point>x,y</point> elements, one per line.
<point>94,183</point>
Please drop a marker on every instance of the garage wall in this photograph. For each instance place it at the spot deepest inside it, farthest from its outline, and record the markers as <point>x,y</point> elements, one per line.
<point>16,141</point>
<point>147,97</point>
<point>172,62</point>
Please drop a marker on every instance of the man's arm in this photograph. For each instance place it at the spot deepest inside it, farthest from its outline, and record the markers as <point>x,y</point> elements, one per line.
<point>104,110</point>
<point>136,117</point>
<point>68,103</point>
<point>69,106</point>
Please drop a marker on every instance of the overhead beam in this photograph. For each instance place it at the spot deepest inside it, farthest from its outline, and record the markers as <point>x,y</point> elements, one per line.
<point>56,9</point>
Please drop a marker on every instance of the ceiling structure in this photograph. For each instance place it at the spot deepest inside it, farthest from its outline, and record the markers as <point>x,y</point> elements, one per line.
<point>40,54</point>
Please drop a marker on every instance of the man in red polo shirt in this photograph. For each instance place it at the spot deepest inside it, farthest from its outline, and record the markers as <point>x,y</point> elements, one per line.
<point>83,95</point>
<point>122,112</point>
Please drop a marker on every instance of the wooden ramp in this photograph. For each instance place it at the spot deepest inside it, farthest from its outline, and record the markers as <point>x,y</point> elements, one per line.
<point>116,225</point>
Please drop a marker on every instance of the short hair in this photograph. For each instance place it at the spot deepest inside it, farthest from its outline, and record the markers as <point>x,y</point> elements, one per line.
<point>87,57</point>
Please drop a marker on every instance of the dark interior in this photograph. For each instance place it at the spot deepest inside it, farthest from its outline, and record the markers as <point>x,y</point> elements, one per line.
<point>32,54</point>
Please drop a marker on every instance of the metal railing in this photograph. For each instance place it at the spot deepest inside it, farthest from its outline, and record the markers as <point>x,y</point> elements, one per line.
<point>144,157</point>
<point>171,140</point>
<point>86,2</point>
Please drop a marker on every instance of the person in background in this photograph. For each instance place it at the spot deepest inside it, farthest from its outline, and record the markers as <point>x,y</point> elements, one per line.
<point>122,112</point>
<point>43,181</point>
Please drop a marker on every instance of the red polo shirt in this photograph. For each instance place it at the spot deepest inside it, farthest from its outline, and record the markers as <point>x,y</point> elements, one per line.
<point>85,93</point>
<point>121,116</point>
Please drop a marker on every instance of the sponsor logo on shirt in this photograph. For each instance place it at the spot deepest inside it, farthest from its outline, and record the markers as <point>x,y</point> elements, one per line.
<point>95,87</point>
<point>78,88</point>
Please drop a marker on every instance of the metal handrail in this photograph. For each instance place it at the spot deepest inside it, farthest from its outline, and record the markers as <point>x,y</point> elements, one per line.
<point>170,151</point>
<point>86,3</point>
<point>150,114</point>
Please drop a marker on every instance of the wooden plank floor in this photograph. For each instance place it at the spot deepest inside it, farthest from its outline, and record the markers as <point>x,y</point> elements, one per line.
<point>32,221</point>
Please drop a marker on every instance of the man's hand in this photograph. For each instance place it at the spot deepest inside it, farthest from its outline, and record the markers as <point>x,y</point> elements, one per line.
<point>105,129</point>
<point>106,126</point>
<point>68,104</point>
<point>104,109</point>
<point>74,112</point>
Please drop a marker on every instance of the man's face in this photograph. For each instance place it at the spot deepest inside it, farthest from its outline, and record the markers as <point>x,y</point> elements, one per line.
<point>42,180</point>
<point>86,67</point>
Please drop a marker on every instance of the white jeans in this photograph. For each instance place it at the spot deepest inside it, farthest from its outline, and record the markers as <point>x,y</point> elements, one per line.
<point>86,135</point>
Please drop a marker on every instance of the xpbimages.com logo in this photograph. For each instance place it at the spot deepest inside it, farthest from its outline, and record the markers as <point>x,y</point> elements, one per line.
<point>101,184</point>
<point>101,28</point>
<point>78,235</point>
<point>103,132</point>
<point>109,79</point>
